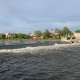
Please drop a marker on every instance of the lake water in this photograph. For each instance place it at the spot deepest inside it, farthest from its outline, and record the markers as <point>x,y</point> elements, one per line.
<point>50,62</point>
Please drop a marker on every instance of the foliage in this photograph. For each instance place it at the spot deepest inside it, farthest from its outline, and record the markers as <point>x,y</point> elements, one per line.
<point>46,34</point>
<point>2,36</point>
<point>77,31</point>
<point>15,35</point>
<point>61,32</point>
<point>67,31</point>
<point>64,32</point>
<point>38,33</point>
<point>20,36</point>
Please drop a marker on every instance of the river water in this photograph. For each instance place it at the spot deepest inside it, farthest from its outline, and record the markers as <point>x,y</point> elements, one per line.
<point>50,62</point>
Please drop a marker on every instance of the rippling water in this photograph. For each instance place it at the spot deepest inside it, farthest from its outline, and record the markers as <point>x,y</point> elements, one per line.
<point>54,62</point>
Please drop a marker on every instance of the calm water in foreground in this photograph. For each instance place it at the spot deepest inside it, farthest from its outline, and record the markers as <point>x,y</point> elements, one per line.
<point>52,62</point>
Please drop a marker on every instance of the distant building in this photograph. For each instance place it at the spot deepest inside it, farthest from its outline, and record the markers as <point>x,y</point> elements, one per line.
<point>42,37</point>
<point>9,35</point>
<point>55,35</point>
<point>71,39</point>
<point>77,35</point>
<point>32,36</point>
<point>68,39</point>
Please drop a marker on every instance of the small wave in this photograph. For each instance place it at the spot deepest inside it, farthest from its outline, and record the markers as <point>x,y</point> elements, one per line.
<point>40,49</point>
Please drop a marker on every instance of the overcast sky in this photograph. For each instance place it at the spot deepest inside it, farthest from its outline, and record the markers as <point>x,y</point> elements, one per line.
<point>29,15</point>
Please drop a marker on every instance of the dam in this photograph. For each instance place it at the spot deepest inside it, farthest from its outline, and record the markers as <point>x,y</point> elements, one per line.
<point>71,39</point>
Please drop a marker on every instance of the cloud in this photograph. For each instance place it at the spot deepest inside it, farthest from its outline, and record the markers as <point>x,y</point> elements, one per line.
<point>30,15</point>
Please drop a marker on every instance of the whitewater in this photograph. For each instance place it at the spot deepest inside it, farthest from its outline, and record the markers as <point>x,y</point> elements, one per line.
<point>41,49</point>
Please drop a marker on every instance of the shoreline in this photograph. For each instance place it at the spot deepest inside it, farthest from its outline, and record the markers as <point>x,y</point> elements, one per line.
<point>22,40</point>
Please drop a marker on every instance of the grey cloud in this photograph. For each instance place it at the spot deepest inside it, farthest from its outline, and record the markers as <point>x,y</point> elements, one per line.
<point>39,14</point>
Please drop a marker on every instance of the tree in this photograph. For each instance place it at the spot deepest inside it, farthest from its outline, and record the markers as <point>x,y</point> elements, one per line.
<point>15,35</point>
<point>61,32</point>
<point>57,30</point>
<point>20,35</point>
<point>46,34</point>
<point>25,36</point>
<point>2,36</point>
<point>77,31</point>
<point>66,31</point>
<point>38,33</point>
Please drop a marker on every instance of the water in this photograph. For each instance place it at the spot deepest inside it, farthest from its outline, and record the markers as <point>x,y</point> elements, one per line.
<point>50,62</point>
<point>16,43</point>
<point>26,42</point>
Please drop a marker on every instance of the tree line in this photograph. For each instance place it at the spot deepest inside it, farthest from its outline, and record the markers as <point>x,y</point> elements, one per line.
<point>64,32</point>
<point>46,34</point>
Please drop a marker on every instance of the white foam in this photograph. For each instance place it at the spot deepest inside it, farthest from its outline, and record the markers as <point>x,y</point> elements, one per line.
<point>41,49</point>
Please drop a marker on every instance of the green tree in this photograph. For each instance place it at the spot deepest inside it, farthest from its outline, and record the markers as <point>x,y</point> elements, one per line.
<point>20,35</point>
<point>2,36</point>
<point>15,35</point>
<point>66,31</point>
<point>77,31</point>
<point>38,33</point>
<point>61,32</point>
<point>28,35</point>
<point>46,34</point>
<point>25,36</point>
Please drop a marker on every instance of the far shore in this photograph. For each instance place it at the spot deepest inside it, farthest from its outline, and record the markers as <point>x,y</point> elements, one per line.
<point>29,40</point>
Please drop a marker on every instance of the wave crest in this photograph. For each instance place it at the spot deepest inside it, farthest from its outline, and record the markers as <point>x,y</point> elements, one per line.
<point>41,49</point>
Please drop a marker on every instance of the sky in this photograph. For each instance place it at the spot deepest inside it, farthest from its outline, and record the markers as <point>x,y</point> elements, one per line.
<point>27,16</point>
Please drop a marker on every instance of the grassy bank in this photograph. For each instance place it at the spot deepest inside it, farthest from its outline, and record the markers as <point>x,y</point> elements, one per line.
<point>49,39</point>
<point>25,40</point>
<point>12,40</point>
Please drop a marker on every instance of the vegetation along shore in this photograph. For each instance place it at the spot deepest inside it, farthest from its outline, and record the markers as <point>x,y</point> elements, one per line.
<point>47,35</point>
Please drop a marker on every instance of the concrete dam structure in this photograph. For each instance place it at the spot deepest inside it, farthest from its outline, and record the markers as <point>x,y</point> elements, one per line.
<point>71,39</point>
